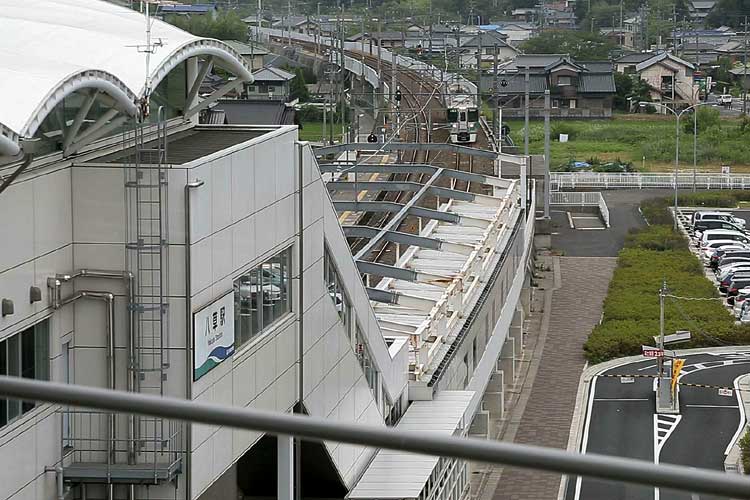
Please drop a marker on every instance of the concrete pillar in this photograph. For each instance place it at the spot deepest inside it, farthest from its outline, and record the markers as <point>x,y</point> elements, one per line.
<point>285,468</point>
<point>493,399</point>
<point>516,332</point>
<point>507,360</point>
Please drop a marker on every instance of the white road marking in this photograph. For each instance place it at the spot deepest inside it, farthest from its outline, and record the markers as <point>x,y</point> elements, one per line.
<point>661,436</point>
<point>741,407</point>
<point>585,443</point>
<point>711,406</point>
<point>621,399</point>
<point>647,367</point>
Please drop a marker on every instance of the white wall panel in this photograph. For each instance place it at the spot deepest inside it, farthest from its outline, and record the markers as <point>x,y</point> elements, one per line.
<point>265,178</point>
<point>16,210</point>
<point>221,254</point>
<point>99,205</point>
<point>243,241</point>
<point>52,211</point>
<point>201,210</point>
<point>243,192</point>
<point>221,193</point>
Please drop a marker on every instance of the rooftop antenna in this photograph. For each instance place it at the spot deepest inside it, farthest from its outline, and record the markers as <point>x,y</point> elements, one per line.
<point>147,49</point>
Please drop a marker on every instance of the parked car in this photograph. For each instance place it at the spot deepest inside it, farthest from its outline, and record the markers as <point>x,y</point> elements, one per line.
<point>721,234</point>
<point>731,257</point>
<point>726,282</point>
<point>725,216</point>
<point>718,253</point>
<point>713,245</point>
<point>739,302</point>
<point>706,224</point>
<point>737,284</point>
<point>722,272</point>
<point>744,315</point>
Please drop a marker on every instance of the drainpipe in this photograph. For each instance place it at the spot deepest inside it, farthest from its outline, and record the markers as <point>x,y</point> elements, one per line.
<point>300,313</point>
<point>189,330</point>
<point>55,285</point>
<point>109,299</point>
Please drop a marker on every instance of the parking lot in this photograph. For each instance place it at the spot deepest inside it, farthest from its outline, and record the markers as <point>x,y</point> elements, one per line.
<point>730,272</point>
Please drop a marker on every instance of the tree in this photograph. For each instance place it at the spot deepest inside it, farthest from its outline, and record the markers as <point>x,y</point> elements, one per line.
<point>629,89</point>
<point>729,13</point>
<point>226,26</point>
<point>707,119</point>
<point>580,45</point>
<point>298,88</point>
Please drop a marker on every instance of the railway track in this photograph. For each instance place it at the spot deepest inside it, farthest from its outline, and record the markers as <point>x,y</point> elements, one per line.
<point>421,106</point>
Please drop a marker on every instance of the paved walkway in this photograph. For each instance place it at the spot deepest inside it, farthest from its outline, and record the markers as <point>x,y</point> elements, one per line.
<point>546,419</point>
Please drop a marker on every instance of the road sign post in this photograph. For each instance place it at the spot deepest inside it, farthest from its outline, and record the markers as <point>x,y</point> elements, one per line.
<point>666,399</point>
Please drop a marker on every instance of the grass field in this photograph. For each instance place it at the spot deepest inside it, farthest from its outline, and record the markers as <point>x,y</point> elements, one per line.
<point>647,141</point>
<point>313,131</point>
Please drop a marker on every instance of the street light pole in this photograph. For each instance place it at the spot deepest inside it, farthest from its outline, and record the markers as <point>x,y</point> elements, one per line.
<point>676,163</point>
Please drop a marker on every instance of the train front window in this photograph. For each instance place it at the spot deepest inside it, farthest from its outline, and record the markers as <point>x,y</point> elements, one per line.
<point>452,115</point>
<point>473,115</point>
<point>463,116</point>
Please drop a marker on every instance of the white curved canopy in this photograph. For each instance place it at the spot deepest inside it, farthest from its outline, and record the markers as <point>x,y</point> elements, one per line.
<point>50,48</point>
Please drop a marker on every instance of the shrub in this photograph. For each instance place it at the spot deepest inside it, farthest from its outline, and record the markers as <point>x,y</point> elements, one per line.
<point>745,451</point>
<point>653,255</point>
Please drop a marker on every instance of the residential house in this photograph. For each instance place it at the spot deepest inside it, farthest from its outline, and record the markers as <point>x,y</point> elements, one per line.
<point>516,32</point>
<point>486,46</point>
<point>734,49</point>
<point>699,53</point>
<point>252,53</point>
<point>270,83</point>
<point>578,89</point>
<point>669,77</point>
<point>741,75</point>
<point>524,14</point>
<point>559,19</point>
<point>621,37</point>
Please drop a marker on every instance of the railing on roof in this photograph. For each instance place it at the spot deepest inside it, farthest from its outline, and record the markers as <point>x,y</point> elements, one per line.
<point>646,180</point>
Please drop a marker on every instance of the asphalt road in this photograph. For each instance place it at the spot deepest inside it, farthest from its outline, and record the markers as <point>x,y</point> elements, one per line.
<point>621,421</point>
<point>624,216</point>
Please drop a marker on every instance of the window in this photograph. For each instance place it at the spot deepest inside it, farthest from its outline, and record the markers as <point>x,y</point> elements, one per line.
<point>563,80</point>
<point>261,297</point>
<point>473,115</point>
<point>452,115</point>
<point>26,355</point>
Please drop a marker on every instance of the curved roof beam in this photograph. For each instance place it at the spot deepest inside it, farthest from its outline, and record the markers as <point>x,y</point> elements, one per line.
<point>87,79</point>
<point>230,58</point>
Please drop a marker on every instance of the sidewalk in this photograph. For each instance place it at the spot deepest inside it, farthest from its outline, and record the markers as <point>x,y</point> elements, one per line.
<point>545,417</point>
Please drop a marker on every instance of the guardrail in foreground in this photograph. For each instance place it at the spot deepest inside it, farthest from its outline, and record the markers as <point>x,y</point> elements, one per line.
<point>319,429</point>
<point>646,180</point>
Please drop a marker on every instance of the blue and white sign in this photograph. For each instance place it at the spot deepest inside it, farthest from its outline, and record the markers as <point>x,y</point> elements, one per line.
<point>213,335</point>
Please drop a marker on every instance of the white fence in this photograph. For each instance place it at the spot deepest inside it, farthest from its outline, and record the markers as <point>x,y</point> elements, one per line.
<point>581,199</point>
<point>685,180</point>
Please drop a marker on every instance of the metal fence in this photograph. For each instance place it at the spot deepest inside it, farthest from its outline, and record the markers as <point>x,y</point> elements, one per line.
<point>647,180</point>
<point>581,199</point>
<point>320,429</point>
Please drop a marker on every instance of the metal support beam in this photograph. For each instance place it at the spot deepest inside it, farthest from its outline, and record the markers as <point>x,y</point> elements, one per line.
<point>408,239</point>
<point>319,429</point>
<point>102,121</point>
<point>83,111</point>
<point>100,132</point>
<point>218,94</point>
<point>196,86</point>
<point>373,168</point>
<point>400,273</point>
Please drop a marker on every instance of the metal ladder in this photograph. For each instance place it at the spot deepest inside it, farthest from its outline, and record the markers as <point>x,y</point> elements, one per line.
<point>148,259</point>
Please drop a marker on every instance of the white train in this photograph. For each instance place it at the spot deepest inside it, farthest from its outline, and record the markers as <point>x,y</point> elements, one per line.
<point>462,113</point>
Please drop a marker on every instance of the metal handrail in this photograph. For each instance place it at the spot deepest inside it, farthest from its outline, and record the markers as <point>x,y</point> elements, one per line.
<point>320,429</point>
<point>645,180</point>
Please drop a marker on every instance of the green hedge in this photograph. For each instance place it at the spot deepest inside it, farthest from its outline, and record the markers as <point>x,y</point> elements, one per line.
<point>745,449</point>
<point>631,308</point>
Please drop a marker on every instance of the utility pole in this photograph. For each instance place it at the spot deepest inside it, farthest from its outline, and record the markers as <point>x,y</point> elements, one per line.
<point>526,112</point>
<point>546,152</point>
<point>744,72</point>
<point>660,359</point>
<point>479,68</point>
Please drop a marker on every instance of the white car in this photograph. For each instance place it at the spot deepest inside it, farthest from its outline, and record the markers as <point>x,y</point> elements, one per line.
<point>722,272</point>
<point>721,234</point>
<point>725,216</point>
<point>739,302</point>
<point>725,99</point>
<point>712,250</point>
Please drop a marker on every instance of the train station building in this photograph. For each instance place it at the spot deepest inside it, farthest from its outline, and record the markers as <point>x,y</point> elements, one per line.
<point>145,252</point>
